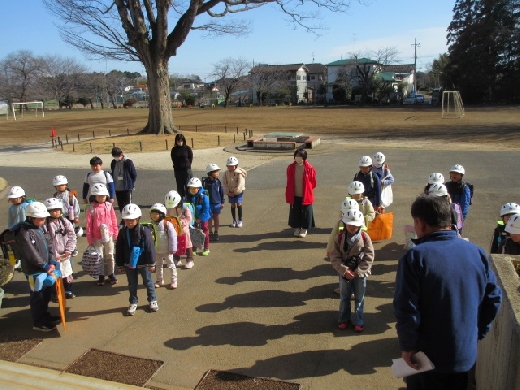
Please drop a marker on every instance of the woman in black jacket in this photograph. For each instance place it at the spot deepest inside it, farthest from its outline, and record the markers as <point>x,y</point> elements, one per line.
<point>182,157</point>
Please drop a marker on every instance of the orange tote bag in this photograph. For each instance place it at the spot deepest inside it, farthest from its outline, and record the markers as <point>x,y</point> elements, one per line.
<point>381,227</point>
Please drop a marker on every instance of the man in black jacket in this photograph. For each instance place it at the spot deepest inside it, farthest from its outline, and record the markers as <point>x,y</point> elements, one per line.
<point>182,157</point>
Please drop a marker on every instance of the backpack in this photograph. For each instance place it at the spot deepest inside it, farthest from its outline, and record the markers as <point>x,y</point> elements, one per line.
<point>175,221</point>
<point>470,186</point>
<point>8,243</point>
<point>72,194</point>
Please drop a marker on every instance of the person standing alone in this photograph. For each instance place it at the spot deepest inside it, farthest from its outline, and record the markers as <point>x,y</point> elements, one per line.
<point>124,175</point>
<point>182,157</point>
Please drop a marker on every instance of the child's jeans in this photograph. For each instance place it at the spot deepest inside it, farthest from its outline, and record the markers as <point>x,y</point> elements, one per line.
<point>107,249</point>
<point>132,275</point>
<point>346,288</point>
<point>162,259</point>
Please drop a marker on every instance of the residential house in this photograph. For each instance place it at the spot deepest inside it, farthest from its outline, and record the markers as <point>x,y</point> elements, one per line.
<point>269,80</point>
<point>404,74</point>
<point>355,70</point>
<point>316,76</point>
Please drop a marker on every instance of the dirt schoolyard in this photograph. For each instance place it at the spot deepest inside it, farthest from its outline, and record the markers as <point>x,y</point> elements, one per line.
<point>95,131</point>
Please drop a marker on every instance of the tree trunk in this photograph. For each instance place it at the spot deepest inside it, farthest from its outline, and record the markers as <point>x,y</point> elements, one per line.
<point>160,119</point>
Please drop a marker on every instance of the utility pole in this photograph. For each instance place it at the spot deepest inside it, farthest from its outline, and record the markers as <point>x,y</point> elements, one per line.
<point>415,65</point>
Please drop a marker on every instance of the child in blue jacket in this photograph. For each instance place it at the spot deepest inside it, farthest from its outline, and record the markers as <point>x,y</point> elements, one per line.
<point>371,181</point>
<point>213,187</point>
<point>200,200</point>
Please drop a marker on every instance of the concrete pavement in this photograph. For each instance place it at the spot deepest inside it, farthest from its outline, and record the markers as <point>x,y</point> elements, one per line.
<point>261,304</point>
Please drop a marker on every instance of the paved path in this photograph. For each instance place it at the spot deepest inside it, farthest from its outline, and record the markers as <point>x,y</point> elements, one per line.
<point>261,304</point>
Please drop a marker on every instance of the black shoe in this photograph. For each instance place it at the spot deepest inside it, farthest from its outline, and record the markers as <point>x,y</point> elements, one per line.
<point>69,295</point>
<point>44,328</point>
<point>215,236</point>
<point>52,320</point>
<point>211,237</point>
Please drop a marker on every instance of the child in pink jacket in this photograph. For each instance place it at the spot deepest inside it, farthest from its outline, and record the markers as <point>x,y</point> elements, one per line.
<point>102,230</point>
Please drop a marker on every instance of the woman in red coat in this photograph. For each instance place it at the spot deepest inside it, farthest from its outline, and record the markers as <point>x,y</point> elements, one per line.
<point>301,181</point>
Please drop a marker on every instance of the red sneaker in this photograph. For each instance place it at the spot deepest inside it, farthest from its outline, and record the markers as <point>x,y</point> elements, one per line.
<point>343,325</point>
<point>358,328</point>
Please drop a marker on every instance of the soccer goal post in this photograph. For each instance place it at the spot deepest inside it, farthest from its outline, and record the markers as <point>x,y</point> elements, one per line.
<point>25,104</point>
<point>452,105</point>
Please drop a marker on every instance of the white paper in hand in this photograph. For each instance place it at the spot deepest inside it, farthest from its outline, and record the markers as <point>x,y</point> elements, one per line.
<point>401,369</point>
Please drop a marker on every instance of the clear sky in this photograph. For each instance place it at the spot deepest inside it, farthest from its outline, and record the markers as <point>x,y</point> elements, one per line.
<point>375,24</point>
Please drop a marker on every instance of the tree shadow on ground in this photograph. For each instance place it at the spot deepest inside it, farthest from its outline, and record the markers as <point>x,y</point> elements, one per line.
<point>251,334</point>
<point>276,275</point>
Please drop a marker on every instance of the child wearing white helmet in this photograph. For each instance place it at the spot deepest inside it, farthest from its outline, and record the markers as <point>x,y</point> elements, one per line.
<point>371,182</point>
<point>16,212</point>
<point>499,234</point>
<point>440,190</point>
<point>511,245</point>
<point>200,200</point>
<point>234,186</point>
<point>382,169</point>
<point>213,187</point>
<point>355,191</point>
<point>352,256</point>
<point>433,178</point>
<point>102,230</point>
<point>135,255</point>
<point>165,245</point>
<point>347,205</point>
<point>38,262</point>
<point>61,231</point>
<point>175,208</point>
<point>70,204</point>
<point>460,191</point>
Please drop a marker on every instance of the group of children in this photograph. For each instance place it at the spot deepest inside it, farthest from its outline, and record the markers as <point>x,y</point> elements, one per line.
<point>134,247</point>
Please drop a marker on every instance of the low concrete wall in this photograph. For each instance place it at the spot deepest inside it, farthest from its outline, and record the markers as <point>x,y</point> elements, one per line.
<point>274,145</point>
<point>499,353</point>
<point>312,142</point>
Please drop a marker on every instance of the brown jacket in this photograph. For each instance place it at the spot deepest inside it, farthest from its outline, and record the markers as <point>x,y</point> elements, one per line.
<point>364,245</point>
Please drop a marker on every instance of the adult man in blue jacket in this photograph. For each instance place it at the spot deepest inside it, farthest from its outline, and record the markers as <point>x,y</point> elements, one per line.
<point>445,299</point>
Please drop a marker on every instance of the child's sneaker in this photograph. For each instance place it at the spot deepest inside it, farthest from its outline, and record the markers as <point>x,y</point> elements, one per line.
<point>189,264</point>
<point>179,263</point>
<point>172,286</point>
<point>69,295</point>
<point>234,224</point>
<point>101,280</point>
<point>215,236</point>
<point>112,278</point>
<point>74,252</point>
<point>44,328</point>
<point>239,224</point>
<point>206,252</point>
<point>358,328</point>
<point>154,306</point>
<point>343,325</point>
<point>131,309</point>
<point>158,283</point>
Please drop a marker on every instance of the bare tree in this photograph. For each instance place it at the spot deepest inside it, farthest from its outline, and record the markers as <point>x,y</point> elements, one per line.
<point>138,30</point>
<point>230,74</point>
<point>92,86</point>
<point>367,65</point>
<point>60,78</point>
<point>268,81</point>
<point>20,71</point>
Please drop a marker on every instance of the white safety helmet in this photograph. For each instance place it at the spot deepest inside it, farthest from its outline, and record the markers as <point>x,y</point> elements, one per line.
<point>437,189</point>
<point>131,211</point>
<point>53,203</point>
<point>436,178</point>
<point>509,208</point>
<point>194,182</point>
<point>59,180</point>
<point>379,159</point>
<point>232,161</point>
<point>15,192</point>
<point>212,167</point>
<point>349,204</point>
<point>158,207</point>
<point>356,187</point>
<point>172,199</point>
<point>353,217</point>
<point>36,210</point>
<point>99,189</point>
<point>458,169</point>
<point>513,225</point>
<point>365,161</point>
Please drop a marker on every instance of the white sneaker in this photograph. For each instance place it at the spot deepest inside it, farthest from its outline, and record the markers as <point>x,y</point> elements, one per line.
<point>303,233</point>
<point>296,232</point>
<point>154,306</point>
<point>131,309</point>
<point>158,283</point>
<point>239,224</point>
<point>189,264</point>
<point>179,263</point>
<point>234,224</point>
